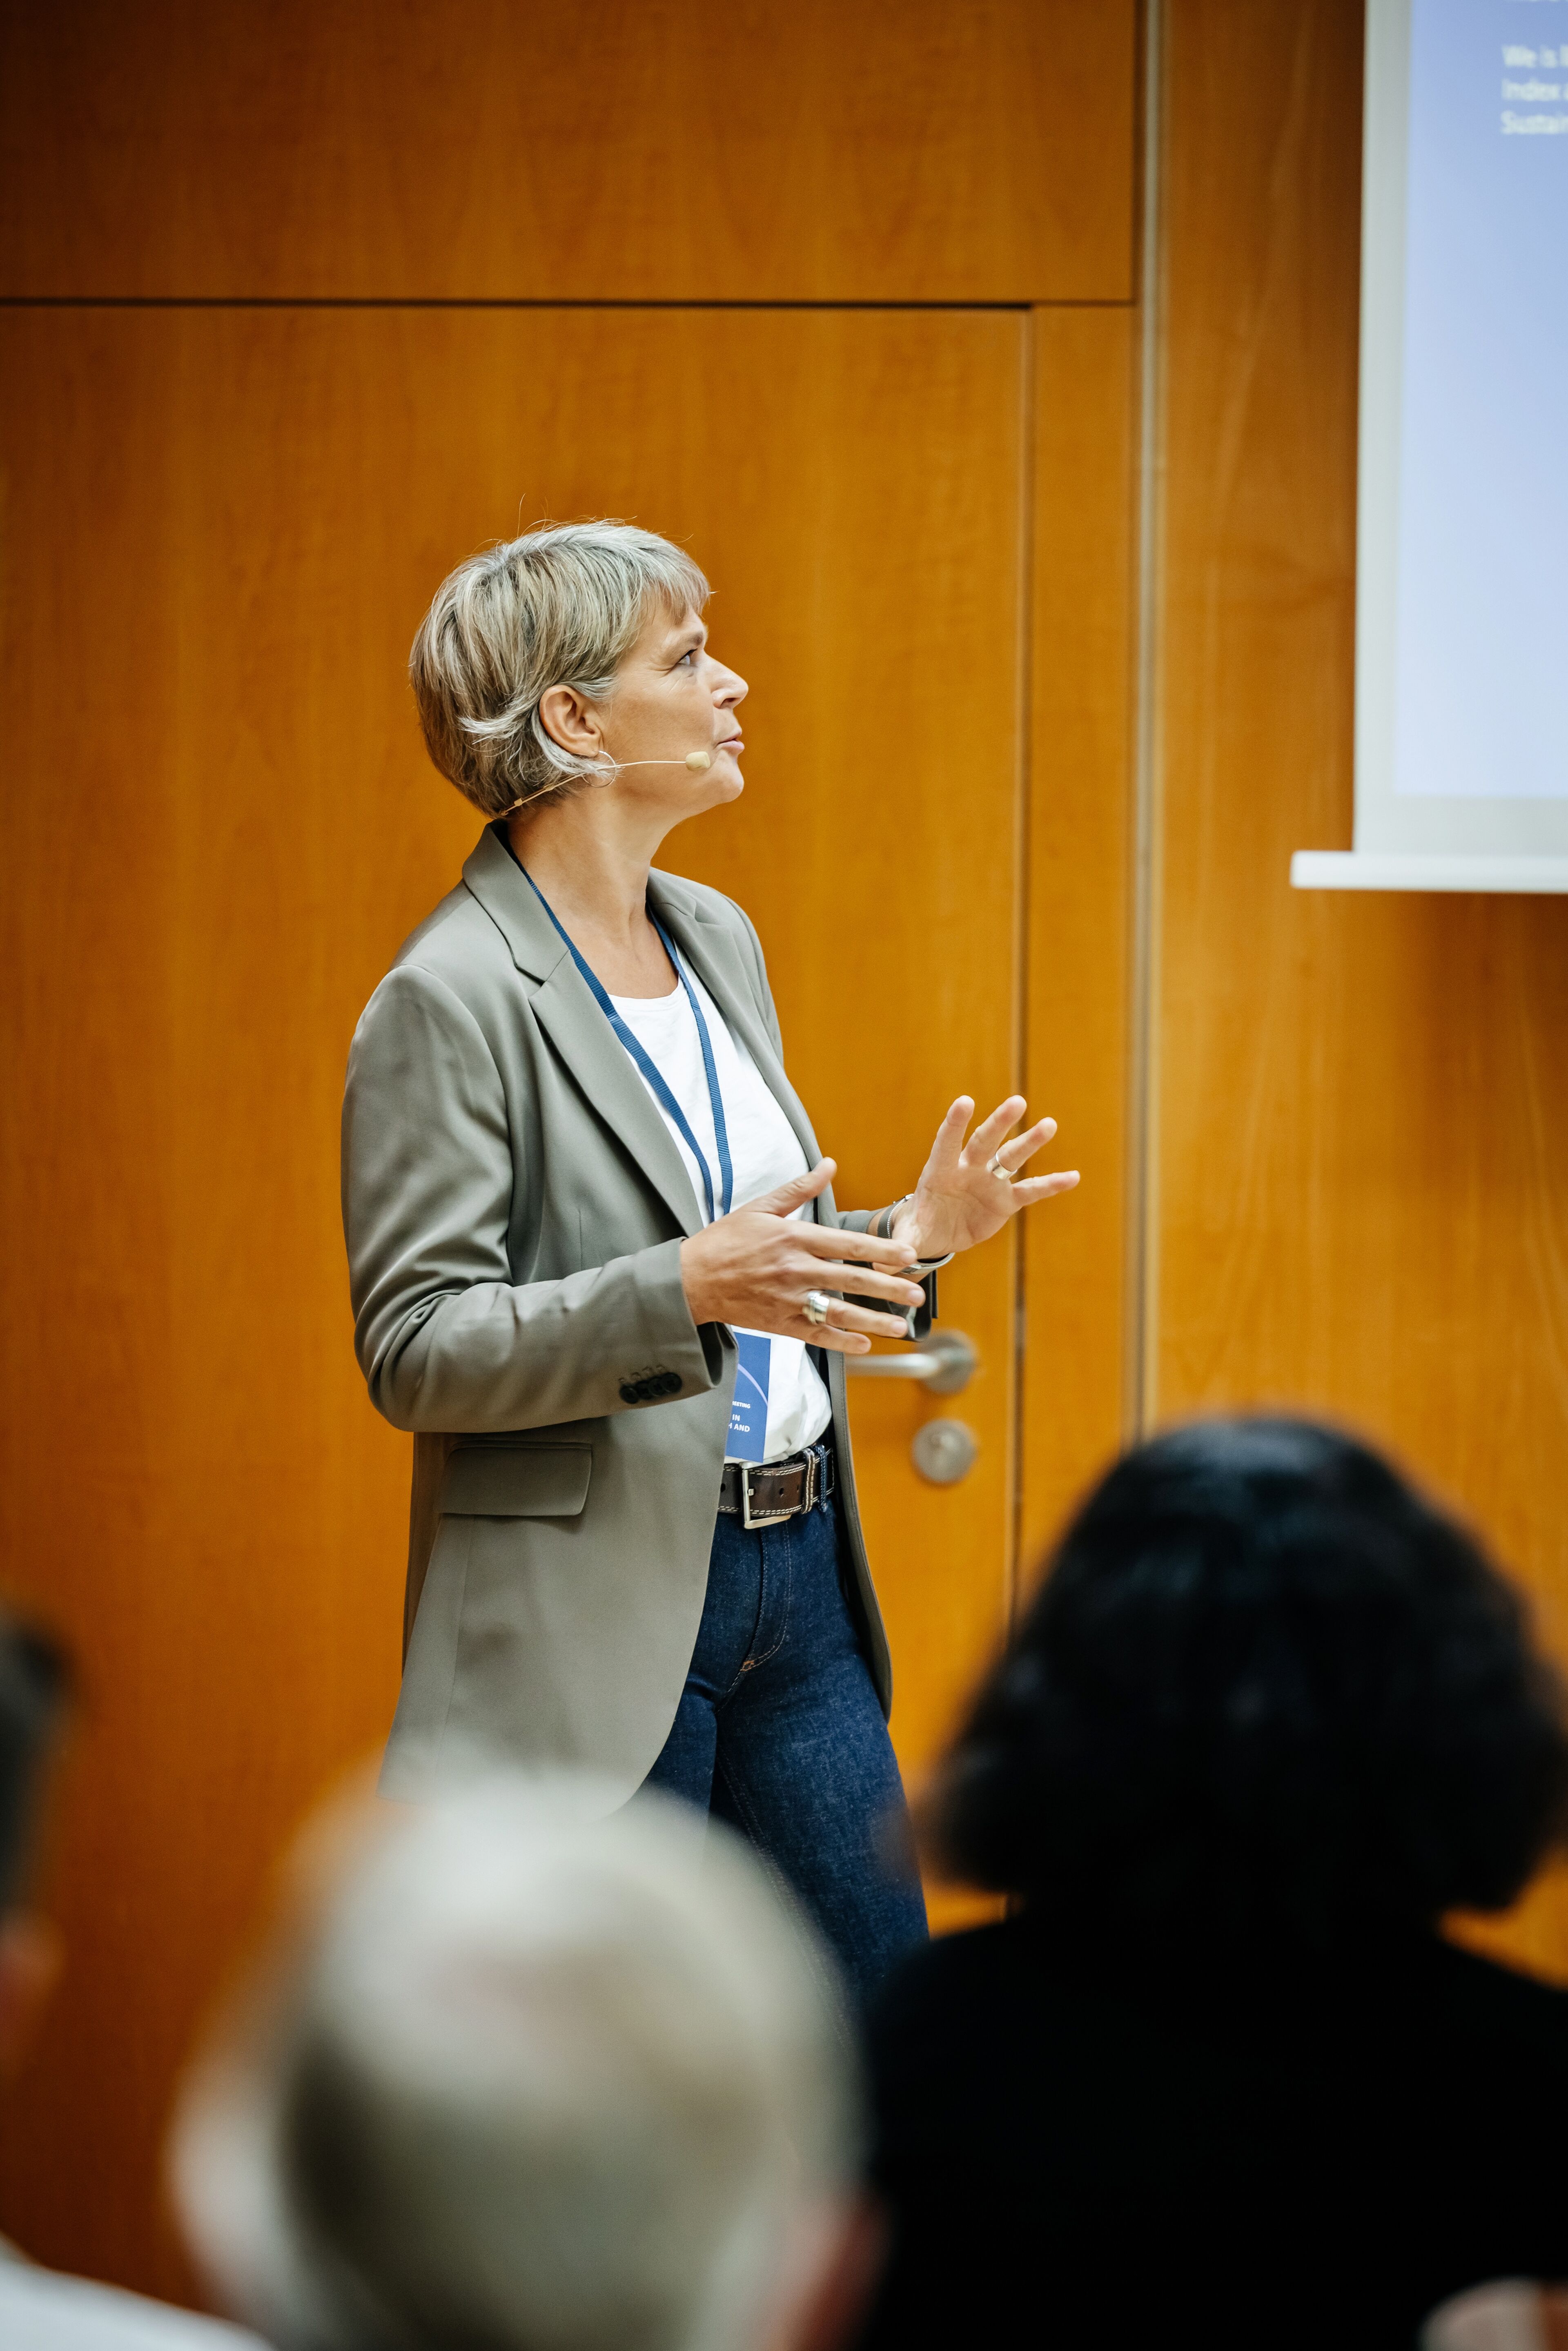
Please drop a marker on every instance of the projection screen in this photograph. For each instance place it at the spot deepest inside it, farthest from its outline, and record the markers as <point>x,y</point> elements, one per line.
<point>1461,692</point>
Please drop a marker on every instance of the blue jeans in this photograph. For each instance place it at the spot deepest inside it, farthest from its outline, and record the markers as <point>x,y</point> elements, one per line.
<point>778,1732</point>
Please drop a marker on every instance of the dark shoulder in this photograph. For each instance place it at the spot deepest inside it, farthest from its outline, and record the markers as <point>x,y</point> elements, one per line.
<point>998,1980</point>
<point>974,1982</point>
<point>1470,1994</point>
<point>953,1962</point>
<point>980,2040</point>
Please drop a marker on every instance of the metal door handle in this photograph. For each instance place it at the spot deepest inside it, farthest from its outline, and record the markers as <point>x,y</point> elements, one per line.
<point>946,1363</point>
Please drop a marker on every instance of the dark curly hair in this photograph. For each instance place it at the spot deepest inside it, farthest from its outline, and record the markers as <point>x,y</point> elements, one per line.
<point>1266,1690</point>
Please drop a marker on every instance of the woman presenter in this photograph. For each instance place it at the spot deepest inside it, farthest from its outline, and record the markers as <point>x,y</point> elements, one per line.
<point>596,1267</point>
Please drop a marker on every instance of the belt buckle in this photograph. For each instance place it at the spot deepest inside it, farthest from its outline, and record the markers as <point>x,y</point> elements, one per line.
<point>767,1519</point>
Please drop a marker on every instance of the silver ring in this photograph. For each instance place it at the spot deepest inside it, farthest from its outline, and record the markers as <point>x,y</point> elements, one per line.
<point>994,1167</point>
<point>817,1303</point>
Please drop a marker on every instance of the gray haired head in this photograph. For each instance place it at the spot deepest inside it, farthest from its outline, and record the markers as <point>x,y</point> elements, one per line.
<point>563,605</point>
<point>528,2081</point>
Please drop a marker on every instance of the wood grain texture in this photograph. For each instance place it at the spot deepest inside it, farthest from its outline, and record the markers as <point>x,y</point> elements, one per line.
<point>222,528</point>
<point>846,150</point>
<point>1080,819</point>
<point>1363,1177</point>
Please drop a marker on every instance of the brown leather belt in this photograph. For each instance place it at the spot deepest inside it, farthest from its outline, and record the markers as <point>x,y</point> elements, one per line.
<point>764,1492</point>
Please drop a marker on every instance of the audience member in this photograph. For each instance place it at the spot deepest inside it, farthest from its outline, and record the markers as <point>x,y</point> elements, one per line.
<point>40,2309</point>
<point>1514,2314</point>
<point>526,2079</point>
<point>1269,1719</point>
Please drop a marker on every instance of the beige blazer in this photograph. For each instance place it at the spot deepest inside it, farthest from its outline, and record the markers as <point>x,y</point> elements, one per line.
<point>514,1208</point>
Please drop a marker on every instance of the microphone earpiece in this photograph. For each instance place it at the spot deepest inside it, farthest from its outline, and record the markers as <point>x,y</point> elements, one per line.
<point>696,760</point>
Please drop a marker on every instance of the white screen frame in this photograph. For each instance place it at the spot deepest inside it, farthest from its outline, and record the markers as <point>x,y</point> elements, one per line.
<point>1474,843</point>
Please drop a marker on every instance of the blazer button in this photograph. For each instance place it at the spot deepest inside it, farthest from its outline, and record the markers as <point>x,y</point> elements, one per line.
<point>670,1384</point>
<point>631,1391</point>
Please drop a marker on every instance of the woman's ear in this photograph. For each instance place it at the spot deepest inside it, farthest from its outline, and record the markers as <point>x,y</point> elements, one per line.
<point>568,718</point>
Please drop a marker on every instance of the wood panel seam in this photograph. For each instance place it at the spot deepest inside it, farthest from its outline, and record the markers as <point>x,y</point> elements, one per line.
<point>1143,1075</point>
<point>1029,378</point>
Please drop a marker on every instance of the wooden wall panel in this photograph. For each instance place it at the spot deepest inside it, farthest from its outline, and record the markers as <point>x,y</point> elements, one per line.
<point>221,529</point>
<point>595,149</point>
<point>1079,879</point>
<point>1364,1179</point>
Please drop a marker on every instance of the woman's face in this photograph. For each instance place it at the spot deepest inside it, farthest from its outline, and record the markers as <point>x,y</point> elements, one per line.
<point>671,698</point>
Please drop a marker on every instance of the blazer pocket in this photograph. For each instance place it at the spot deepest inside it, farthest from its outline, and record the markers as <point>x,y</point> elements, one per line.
<point>524,1481</point>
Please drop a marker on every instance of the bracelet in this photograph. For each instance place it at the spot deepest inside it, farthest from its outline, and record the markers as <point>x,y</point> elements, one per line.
<point>884,1218</point>
<point>881,1223</point>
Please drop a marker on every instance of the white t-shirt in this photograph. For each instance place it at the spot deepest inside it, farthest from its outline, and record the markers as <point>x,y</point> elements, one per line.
<point>40,2310</point>
<point>764,1151</point>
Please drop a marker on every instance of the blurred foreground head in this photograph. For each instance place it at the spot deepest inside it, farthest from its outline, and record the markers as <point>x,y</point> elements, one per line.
<point>521,2079</point>
<point>1266,1692</point>
<point>33,1688</point>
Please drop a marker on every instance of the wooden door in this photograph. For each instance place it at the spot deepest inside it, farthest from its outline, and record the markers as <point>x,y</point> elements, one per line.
<point>230,522</point>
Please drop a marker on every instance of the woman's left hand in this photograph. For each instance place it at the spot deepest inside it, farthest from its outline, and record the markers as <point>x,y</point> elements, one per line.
<point>961,1198</point>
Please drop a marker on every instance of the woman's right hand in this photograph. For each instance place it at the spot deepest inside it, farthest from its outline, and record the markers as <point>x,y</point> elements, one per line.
<point>754,1266</point>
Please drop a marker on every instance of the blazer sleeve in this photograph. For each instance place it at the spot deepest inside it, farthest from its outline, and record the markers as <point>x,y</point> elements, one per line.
<point>446,1338</point>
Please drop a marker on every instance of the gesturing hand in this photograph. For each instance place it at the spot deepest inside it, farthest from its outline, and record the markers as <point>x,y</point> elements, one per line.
<point>756,1266</point>
<point>959,1200</point>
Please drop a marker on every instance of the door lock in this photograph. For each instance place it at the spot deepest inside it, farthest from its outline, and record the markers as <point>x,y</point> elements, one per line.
<point>944,1451</point>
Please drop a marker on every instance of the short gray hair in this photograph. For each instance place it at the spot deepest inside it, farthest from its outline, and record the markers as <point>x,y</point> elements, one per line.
<point>563,605</point>
<point>527,2077</point>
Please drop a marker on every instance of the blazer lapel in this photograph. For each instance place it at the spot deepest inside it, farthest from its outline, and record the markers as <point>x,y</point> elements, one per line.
<point>718,963</point>
<point>566,1010</point>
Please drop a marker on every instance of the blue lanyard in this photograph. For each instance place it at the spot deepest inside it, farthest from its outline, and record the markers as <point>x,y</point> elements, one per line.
<point>650,1068</point>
